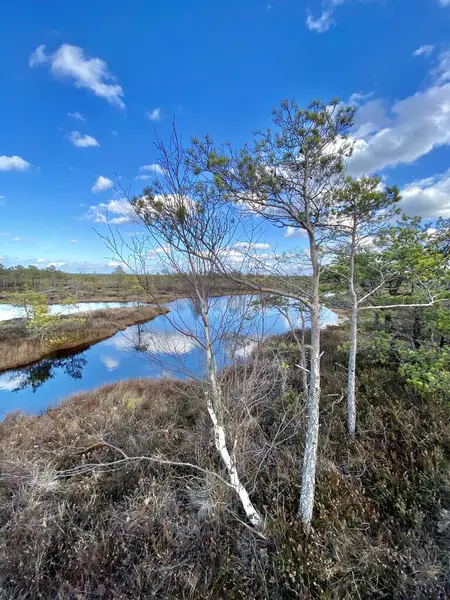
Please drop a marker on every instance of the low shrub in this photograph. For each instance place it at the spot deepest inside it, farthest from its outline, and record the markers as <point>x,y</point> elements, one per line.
<point>146,530</point>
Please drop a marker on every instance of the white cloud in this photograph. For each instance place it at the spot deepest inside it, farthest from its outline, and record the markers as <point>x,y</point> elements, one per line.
<point>428,197</point>
<point>105,213</point>
<point>442,71</point>
<point>38,57</point>
<point>154,115</point>
<point>158,252</point>
<point>56,264</point>
<point>9,383</point>
<point>13,163</point>
<point>322,24</point>
<point>359,97</point>
<point>82,141</point>
<point>371,117</point>
<point>252,246</point>
<point>155,168</point>
<point>294,232</point>
<point>73,242</point>
<point>156,342</point>
<point>424,50</point>
<point>144,177</point>
<point>114,263</point>
<point>17,240</point>
<point>76,115</point>
<point>90,73</point>
<point>444,2</point>
<point>40,260</point>
<point>102,183</point>
<point>110,363</point>
<point>245,350</point>
<point>411,128</point>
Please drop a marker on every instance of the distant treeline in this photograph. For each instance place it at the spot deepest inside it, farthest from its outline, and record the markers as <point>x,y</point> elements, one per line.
<point>20,278</point>
<point>57,284</point>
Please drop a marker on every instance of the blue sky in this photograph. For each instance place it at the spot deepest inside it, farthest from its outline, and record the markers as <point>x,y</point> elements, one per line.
<point>120,69</point>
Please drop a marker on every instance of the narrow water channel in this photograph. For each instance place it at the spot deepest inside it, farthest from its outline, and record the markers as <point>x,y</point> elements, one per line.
<point>156,349</point>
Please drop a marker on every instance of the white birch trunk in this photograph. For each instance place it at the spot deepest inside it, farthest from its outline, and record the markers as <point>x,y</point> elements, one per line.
<point>303,361</point>
<point>214,410</point>
<point>220,441</point>
<point>351,376</point>
<point>312,432</point>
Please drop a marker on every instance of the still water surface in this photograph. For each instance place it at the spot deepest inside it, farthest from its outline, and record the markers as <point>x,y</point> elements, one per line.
<point>156,349</point>
<point>8,311</point>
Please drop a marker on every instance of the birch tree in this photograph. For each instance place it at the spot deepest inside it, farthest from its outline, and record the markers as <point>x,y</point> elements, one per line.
<point>363,210</point>
<point>185,224</point>
<point>288,177</point>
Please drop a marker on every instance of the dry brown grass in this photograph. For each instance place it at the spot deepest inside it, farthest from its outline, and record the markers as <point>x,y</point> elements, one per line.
<point>19,346</point>
<point>381,527</point>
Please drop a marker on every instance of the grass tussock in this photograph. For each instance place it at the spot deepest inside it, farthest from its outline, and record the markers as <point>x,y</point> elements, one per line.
<point>146,530</point>
<point>21,346</point>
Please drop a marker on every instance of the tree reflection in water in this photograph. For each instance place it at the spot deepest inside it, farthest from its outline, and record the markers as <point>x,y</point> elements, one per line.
<point>36,375</point>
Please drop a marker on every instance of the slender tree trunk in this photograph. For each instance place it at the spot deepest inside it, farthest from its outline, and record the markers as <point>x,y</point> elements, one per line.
<point>214,405</point>
<point>312,432</point>
<point>351,376</point>
<point>303,361</point>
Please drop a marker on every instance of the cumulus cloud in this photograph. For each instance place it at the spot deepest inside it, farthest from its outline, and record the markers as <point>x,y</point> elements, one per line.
<point>73,242</point>
<point>252,246</point>
<point>16,240</point>
<point>56,264</point>
<point>76,115</point>
<point>110,363</point>
<point>359,97</point>
<point>13,163</point>
<point>154,168</point>
<point>115,212</point>
<point>294,232</point>
<point>428,197</point>
<point>155,342</point>
<point>371,117</point>
<point>411,128</point>
<point>102,183</point>
<point>9,383</point>
<point>424,50</point>
<point>82,141</point>
<point>154,114</point>
<point>90,73</point>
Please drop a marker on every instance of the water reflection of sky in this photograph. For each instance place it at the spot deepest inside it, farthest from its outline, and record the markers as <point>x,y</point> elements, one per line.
<point>156,349</point>
<point>8,311</point>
